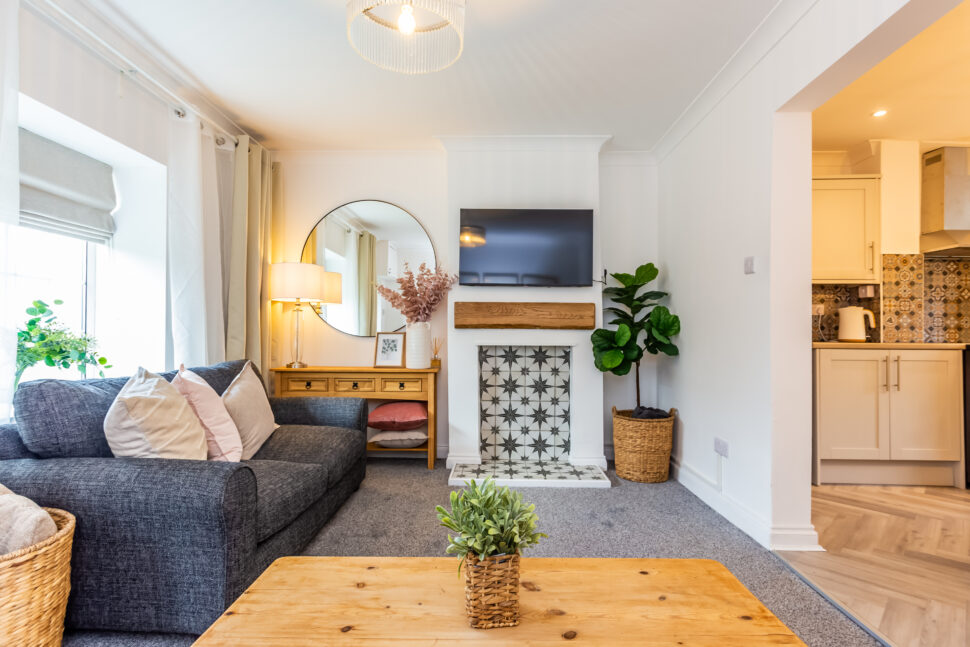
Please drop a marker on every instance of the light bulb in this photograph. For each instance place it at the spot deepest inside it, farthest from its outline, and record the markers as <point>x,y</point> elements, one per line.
<point>406,22</point>
<point>880,113</point>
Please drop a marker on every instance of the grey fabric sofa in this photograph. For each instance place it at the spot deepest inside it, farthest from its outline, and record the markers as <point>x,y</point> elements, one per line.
<point>162,547</point>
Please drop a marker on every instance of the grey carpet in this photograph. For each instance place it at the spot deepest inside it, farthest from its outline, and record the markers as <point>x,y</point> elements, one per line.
<point>393,515</point>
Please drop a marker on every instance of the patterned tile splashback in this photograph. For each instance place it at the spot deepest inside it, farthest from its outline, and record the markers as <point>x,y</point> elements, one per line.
<point>923,300</point>
<point>947,299</point>
<point>902,298</point>
<point>524,397</point>
<point>833,297</point>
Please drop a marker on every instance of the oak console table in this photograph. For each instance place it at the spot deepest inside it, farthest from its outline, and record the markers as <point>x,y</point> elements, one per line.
<point>370,384</point>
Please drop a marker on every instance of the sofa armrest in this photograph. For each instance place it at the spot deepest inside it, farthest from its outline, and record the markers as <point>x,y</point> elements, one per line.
<point>11,445</point>
<point>160,545</point>
<point>330,412</point>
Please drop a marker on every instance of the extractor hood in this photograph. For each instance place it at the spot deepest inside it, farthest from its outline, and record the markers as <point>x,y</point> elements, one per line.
<point>945,202</point>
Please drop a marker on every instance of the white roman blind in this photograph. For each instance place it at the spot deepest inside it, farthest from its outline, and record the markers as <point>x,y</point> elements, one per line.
<point>63,191</point>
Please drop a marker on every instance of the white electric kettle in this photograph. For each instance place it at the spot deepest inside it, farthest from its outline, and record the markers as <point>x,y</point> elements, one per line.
<point>852,324</point>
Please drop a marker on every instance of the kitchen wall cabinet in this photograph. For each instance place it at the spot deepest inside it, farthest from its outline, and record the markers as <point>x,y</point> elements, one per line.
<point>845,230</point>
<point>881,409</point>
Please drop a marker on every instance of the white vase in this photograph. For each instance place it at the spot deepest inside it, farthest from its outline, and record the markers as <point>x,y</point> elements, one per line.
<point>417,344</point>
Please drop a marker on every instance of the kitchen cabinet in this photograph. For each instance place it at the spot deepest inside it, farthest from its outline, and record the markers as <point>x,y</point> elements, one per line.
<point>845,230</point>
<point>888,416</point>
<point>852,404</point>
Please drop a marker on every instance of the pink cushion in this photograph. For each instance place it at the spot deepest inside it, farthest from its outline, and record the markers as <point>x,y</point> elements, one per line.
<point>398,416</point>
<point>221,433</point>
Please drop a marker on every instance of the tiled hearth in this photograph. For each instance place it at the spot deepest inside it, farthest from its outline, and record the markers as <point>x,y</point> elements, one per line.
<point>524,420</point>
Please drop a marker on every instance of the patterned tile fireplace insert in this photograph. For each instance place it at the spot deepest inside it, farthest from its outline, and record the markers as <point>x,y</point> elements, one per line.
<point>524,423</point>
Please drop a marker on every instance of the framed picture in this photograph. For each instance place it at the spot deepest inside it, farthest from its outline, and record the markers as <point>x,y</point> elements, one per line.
<point>389,350</point>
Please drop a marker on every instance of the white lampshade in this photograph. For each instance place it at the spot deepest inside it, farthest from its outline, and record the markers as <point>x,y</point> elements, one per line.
<point>303,282</point>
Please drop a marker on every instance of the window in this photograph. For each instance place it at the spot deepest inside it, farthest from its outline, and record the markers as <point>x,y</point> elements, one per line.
<point>50,267</point>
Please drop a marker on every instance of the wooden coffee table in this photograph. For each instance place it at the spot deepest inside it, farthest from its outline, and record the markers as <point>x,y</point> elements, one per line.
<point>420,601</point>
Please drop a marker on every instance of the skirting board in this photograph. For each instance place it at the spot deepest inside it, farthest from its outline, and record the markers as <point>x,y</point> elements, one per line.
<point>855,472</point>
<point>752,524</point>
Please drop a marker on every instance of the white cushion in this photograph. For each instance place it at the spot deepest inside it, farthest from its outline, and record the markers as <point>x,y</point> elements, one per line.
<point>23,523</point>
<point>247,404</point>
<point>399,439</point>
<point>151,419</point>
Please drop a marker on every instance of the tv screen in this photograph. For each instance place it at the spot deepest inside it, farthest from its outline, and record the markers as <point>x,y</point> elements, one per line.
<point>541,247</point>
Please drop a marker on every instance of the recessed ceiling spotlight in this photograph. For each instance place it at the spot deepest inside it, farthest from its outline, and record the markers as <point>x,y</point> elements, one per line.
<point>880,113</point>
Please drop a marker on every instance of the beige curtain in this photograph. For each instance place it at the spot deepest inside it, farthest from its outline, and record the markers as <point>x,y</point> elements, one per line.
<point>247,318</point>
<point>366,285</point>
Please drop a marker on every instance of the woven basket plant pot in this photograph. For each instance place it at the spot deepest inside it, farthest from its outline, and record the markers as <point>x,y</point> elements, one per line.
<point>34,583</point>
<point>642,447</point>
<point>492,591</point>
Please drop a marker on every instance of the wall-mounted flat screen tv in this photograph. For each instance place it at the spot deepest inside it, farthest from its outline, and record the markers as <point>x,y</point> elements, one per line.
<point>535,247</point>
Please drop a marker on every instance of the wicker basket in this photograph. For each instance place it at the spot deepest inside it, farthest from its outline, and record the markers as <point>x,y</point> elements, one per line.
<point>492,591</point>
<point>34,583</point>
<point>642,447</point>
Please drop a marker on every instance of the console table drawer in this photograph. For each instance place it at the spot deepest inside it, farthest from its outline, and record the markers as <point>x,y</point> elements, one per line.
<point>353,384</point>
<point>313,386</point>
<point>402,385</point>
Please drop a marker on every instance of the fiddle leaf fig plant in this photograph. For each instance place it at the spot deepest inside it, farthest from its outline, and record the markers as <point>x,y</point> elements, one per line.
<point>488,520</point>
<point>642,325</point>
<point>44,339</point>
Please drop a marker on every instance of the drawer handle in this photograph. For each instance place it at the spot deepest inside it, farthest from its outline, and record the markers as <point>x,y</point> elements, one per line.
<point>308,385</point>
<point>400,386</point>
<point>354,386</point>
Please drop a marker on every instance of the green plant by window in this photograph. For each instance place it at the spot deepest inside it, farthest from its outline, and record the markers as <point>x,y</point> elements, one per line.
<point>43,339</point>
<point>617,351</point>
<point>488,521</point>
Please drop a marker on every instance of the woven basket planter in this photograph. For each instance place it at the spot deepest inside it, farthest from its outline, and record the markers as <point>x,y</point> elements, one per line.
<point>34,583</point>
<point>642,447</point>
<point>492,591</point>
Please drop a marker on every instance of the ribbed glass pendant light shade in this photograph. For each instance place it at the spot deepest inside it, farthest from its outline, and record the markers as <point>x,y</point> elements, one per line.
<point>407,36</point>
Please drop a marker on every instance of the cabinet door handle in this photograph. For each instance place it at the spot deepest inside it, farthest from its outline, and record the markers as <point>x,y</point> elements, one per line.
<point>308,385</point>
<point>886,383</point>
<point>872,256</point>
<point>898,373</point>
<point>354,386</point>
<point>400,386</point>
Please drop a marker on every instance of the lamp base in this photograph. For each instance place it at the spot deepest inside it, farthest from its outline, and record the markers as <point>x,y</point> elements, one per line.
<point>296,365</point>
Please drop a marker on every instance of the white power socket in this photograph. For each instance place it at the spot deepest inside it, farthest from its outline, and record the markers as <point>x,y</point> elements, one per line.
<point>818,309</point>
<point>721,447</point>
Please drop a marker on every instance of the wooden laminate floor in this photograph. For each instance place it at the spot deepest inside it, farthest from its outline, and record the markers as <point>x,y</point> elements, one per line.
<point>897,558</point>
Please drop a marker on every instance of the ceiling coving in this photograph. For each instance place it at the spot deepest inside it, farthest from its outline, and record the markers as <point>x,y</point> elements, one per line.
<point>407,36</point>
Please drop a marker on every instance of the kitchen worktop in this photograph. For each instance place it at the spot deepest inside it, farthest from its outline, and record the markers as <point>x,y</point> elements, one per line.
<point>896,346</point>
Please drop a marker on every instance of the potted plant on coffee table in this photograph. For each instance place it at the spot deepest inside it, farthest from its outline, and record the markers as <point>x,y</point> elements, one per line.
<point>642,437</point>
<point>492,526</point>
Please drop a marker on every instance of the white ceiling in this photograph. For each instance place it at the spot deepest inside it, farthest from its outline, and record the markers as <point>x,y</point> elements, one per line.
<point>924,86</point>
<point>285,71</point>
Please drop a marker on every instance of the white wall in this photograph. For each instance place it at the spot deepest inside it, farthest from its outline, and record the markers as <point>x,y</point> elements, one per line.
<point>628,238</point>
<point>60,73</point>
<point>735,181</point>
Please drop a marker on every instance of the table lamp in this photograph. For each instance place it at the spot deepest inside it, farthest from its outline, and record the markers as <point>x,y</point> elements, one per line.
<point>301,283</point>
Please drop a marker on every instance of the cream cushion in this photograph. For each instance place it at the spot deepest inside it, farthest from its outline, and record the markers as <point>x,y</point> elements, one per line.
<point>221,434</point>
<point>150,419</point>
<point>400,439</point>
<point>247,404</point>
<point>23,523</point>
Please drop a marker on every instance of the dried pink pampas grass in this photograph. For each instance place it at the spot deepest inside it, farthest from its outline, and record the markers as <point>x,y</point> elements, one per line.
<point>420,293</point>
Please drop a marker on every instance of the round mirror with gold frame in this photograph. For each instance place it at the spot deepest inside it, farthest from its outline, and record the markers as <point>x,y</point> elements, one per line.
<point>368,242</point>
